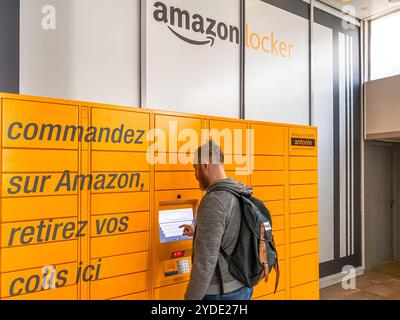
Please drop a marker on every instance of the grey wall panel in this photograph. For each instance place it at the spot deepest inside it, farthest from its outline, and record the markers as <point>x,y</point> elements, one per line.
<point>378,212</point>
<point>9,46</point>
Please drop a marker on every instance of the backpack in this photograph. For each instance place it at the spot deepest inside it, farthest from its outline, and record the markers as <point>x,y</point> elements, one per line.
<point>254,255</point>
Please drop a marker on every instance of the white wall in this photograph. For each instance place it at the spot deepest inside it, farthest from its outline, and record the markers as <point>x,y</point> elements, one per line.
<point>185,77</point>
<point>382,107</point>
<point>92,55</point>
<point>385,46</point>
<point>323,119</point>
<point>277,87</point>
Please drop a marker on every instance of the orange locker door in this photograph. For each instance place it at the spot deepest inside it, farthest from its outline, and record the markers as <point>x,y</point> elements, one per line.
<point>37,124</point>
<point>231,136</point>
<point>177,133</point>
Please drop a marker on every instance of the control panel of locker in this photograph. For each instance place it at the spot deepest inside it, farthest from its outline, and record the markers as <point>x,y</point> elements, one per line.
<point>172,249</point>
<point>87,212</point>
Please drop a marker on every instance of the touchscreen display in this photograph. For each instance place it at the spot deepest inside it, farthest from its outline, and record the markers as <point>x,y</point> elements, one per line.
<point>170,220</point>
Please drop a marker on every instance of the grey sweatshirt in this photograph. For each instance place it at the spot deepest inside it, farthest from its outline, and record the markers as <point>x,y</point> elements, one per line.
<point>217,225</point>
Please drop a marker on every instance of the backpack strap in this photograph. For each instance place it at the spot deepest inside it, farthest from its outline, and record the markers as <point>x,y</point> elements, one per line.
<point>276,265</point>
<point>237,194</point>
<point>277,272</point>
<point>222,250</point>
<point>263,253</point>
<point>263,209</point>
<point>221,282</point>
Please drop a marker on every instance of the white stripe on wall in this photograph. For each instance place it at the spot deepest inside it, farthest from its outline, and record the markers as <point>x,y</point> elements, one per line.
<point>348,143</point>
<point>352,143</point>
<point>342,142</point>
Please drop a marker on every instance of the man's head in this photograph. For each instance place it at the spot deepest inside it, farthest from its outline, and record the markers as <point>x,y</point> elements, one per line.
<point>209,164</point>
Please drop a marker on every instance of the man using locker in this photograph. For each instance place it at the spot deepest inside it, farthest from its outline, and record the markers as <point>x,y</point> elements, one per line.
<point>217,225</point>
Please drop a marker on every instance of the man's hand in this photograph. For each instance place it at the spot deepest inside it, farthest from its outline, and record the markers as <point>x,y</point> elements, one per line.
<point>187,230</point>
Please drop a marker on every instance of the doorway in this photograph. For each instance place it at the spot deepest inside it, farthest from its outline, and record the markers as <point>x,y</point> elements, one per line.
<point>378,203</point>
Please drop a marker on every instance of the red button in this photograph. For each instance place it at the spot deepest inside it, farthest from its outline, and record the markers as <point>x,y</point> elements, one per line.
<point>178,254</point>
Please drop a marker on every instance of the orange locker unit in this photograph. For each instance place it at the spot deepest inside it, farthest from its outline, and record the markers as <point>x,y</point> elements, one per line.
<point>28,201</point>
<point>269,184</point>
<point>176,197</point>
<point>119,216</point>
<point>303,214</point>
<point>92,198</point>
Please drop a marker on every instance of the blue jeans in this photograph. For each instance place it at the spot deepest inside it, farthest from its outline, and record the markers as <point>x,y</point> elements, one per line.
<point>243,293</point>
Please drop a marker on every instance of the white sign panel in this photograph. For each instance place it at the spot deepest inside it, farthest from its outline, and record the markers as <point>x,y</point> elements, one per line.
<point>323,119</point>
<point>81,49</point>
<point>192,56</point>
<point>277,66</point>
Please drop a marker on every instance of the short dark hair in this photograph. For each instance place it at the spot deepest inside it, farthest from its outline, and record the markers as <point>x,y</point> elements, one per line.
<point>209,152</point>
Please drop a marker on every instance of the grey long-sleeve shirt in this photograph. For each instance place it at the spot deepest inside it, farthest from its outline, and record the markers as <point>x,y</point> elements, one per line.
<point>217,224</point>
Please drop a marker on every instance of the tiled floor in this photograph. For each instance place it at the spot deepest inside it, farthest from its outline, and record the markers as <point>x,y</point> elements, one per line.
<point>380,283</point>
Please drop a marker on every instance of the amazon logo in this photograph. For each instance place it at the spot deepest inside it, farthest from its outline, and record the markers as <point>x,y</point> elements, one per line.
<point>208,28</point>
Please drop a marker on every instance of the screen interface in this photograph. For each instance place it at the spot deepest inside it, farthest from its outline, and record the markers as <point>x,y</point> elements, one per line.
<point>170,220</point>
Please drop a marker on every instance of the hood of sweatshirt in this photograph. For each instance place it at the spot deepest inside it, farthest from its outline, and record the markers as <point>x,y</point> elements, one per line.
<point>230,183</point>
